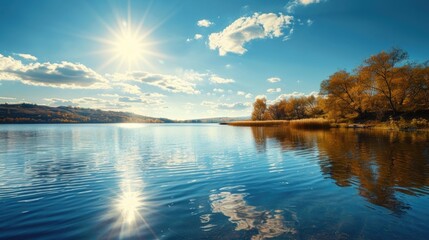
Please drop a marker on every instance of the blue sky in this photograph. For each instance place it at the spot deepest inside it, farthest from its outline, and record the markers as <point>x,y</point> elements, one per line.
<point>186,59</point>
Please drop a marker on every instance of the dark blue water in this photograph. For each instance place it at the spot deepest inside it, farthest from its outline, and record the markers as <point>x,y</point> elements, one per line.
<point>137,181</point>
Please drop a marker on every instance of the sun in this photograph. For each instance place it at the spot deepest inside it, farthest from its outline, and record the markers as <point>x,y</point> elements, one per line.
<point>129,45</point>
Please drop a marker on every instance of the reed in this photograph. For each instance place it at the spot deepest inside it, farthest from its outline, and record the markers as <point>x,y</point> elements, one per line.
<point>260,123</point>
<point>311,123</point>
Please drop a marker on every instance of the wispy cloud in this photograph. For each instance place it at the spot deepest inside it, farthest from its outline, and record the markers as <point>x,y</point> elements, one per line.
<point>166,82</point>
<point>196,37</point>
<point>7,98</point>
<point>220,80</point>
<point>115,102</point>
<point>218,90</point>
<point>246,95</point>
<point>274,79</point>
<point>151,101</point>
<point>274,90</point>
<point>128,88</point>
<point>296,94</point>
<point>290,7</point>
<point>245,29</point>
<point>60,75</point>
<point>204,23</point>
<point>227,106</point>
<point>191,75</point>
<point>26,56</point>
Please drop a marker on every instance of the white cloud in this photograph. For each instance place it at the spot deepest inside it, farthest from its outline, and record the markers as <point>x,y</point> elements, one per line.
<point>169,83</point>
<point>59,75</point>
<point>27,56</point>
<point>246,95</point>
<point>151,101</point>
<point>219,80</point>
<point>60,102</point>
<point>198,36</point>
<point>7,98</point>
<point>99,103</point>
<point>233,106</point>
<point>153,94</point>
<point>274,79</point>
<point>191,75</point>
<point>306,2</point>
<point>290,7</point>
<point>274,90</point>
<point>227,106</point>
<point>204,23</point>
<point>218,90</point>
<point>208,103</point>
<point>108,95</point>
<point>128,88</point>
<point>118,103</point>
<point>260,97</point>
<point>228,66</point>
<point>309,22</point>
<point>296,94</point>
<point>7,64</point>
<point>245,29</point>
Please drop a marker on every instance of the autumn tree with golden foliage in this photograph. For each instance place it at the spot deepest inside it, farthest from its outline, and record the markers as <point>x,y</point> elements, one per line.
<point>286,109</point>
<point>259,108</point>
<point>385,84</point>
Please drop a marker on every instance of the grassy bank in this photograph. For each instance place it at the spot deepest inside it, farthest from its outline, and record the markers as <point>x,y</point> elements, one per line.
<point>315,123</point>
<point>311,123</point>
<point>320,123</point>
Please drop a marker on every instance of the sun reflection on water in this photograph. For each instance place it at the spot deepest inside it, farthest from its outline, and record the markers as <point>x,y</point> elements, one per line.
<point>129,204</point>
<point>131,125</point>
<point>128,211</point>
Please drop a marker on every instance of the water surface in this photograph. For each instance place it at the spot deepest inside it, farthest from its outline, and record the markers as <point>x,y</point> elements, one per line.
<point>167,181</point>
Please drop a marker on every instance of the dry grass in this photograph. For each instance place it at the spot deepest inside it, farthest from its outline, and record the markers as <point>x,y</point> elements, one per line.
<point>260,123</point>
<point>312,123</point>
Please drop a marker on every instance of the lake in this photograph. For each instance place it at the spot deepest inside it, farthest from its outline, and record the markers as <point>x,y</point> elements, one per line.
<point>207,181</point>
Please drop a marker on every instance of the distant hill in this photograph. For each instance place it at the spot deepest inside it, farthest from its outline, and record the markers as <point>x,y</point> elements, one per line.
<point>215,120</point>
<point>31,113</point>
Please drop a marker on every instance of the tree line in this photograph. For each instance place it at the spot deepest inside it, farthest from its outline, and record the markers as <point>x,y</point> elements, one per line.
<point>32,113</point>
<point>385,85</point>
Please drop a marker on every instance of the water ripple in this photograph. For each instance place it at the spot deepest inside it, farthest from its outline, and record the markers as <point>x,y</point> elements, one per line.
<point>211,182</point>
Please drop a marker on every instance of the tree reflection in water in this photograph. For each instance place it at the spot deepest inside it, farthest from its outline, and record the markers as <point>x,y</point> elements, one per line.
<point>379,163</point>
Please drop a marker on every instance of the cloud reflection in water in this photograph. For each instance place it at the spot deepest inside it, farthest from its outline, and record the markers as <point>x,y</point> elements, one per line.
<point>267,223</point>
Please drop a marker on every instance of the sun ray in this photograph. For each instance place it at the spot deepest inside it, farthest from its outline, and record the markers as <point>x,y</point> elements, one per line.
<point>128,45</point>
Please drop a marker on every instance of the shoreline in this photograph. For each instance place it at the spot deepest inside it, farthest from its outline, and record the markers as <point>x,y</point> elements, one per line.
<point>324,124</point>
